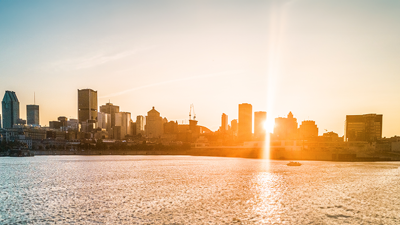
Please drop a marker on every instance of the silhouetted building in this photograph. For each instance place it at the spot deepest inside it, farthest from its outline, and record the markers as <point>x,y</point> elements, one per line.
<point>110,109</point>
<point>0,120</point>
<point>367,127</point>
<point>154,124</point>
<point>245,129</point>
<point>260,119</point>
<point>87,105</point>
<point>286,128</point>
<point>171,127</point>
<point>224,123</point>
<point>10,106</point>
<point>308,129</point>
<point>234,127</point>
<point>64,122</point>
<point>55,125</point>
<point>32,115</point>
<point>140,125</point>
<point>72,124</point>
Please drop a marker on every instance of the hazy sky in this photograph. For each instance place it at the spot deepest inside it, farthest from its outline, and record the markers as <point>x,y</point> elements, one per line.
<point>322,60</point>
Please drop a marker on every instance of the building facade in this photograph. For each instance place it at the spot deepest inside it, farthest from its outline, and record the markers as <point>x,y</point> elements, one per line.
<point>87,105</point>
<point>122,125</point>
<point>308,129</point>
<point>286,128</point>
<point>104,121</point>
<point>367,127</point>
<point>140,125</point>
<point>111,109</point>
<point>245,126</point>
<point>32,115</point>
<point>154,124</point>
<point>224,123</point>
<point>10,107</point>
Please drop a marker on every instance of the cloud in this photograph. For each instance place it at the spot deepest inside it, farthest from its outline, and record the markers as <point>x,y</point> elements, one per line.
<point>95,59</point>
<point>171,81</point>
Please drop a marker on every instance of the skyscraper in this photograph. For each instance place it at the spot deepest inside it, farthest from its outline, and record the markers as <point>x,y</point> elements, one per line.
<point>224,122</point>
<point>122,125</point>
<point>10,106</point>
<point>87,105</point>
<point>245,130</point>
<point>140,124</point>
<point>32,115</point>
<point>367,127</point>
<point>234,127</point>
<point>259,124</point>
<point>110,109</point>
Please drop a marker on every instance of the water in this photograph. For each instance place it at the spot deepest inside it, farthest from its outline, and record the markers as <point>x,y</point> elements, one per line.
<point>195,190</point>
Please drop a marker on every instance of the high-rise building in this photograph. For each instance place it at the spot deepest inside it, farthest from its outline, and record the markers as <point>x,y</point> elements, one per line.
<point>104,121</point>
<point>367,127</point>
<point>0,120</point>
<point>32,115</point>
<point>154,124</point>
<point>308,129</point>
<point>87,105</point>
<point>140,125</point>
<point>10,106</point>
<point>286,128</point>
<point>110,109</point>
<point>122,125</point>
<point>234,127</point>
<point>260,118</point>
<point>245,130</point>
<point>224,123</point>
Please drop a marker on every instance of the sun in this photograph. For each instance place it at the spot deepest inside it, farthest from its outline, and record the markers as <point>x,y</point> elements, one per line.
<point>269,126</point>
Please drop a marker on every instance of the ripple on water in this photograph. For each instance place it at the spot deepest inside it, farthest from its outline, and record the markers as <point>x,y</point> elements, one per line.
<point>195,190</point>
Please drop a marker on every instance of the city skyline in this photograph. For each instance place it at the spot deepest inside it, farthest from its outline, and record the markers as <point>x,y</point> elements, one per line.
<point>219,56</point>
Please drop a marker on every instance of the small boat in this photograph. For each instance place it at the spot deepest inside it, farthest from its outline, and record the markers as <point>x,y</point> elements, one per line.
<point>294,164</point>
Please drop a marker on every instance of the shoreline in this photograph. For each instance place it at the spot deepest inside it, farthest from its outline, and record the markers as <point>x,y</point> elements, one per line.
<point>252,153</point>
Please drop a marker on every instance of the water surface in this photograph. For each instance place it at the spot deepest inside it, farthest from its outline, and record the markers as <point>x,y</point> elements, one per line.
<point>195,190</point>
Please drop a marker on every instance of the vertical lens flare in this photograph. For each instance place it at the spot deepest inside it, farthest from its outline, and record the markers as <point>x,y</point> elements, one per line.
<point>274,52</point>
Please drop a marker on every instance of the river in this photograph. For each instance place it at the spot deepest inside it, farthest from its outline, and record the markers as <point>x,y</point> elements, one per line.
<point>195,190</point>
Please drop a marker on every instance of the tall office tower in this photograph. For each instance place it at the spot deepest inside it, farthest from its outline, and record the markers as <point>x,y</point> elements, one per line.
<point>140,124</point>
<point>104,121</point>
<point>224,123</point>
<point>10,106</point>
<point>110,109</point>
<point>245,130</point>
<point>260,118</point>
<point>32,115</point>
<point>308,129</point>
<point>0,120</point>
<point>367,127</point>
<point>122,125</point>
<point>286,128</point>
<point>87,105</point>
<point>154,124</point>
<point>234,127</point>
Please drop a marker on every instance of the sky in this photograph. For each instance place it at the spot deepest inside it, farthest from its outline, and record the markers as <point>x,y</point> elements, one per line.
<point>322,60</point>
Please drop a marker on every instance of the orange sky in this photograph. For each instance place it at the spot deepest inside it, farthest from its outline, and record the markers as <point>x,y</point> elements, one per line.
<point>320,60</point>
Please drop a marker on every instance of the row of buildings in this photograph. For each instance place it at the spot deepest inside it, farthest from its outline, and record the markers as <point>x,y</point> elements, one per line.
<point>107,122</point>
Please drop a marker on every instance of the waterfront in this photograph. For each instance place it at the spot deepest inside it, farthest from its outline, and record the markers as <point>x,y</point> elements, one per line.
<point>196,190</point>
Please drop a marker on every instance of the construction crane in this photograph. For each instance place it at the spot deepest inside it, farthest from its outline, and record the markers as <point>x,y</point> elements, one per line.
<point>190,112</point>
